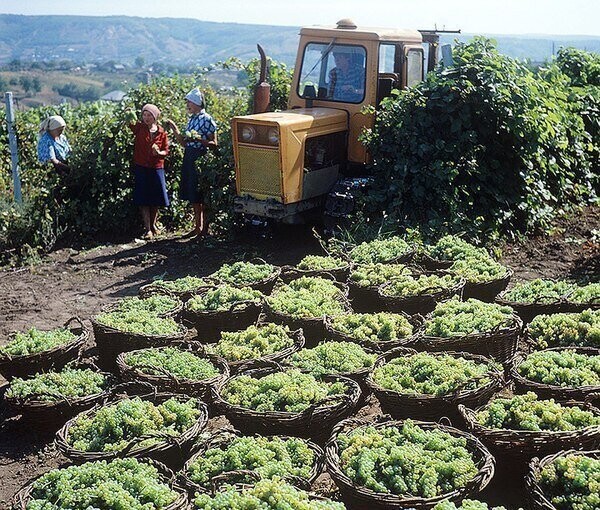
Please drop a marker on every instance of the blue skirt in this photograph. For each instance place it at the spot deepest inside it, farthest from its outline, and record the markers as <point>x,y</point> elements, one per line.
<point>189,187</point>
<point>150,187</point>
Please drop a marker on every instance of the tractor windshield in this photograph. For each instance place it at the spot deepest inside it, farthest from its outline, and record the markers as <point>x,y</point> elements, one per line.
<point>333,72</point>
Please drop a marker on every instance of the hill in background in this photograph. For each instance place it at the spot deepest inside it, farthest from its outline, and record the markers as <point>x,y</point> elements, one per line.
<point>183,41</point>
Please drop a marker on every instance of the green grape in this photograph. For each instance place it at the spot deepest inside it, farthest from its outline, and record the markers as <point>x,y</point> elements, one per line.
<point>454,248</point>
<point>156,304</point>
<point>374,327</point>
<point>538,291</point>
<point>586,294</point>
<point>307,297</point>
<point>34,341</point>
<point>566,329</point>
<point>139,322</point>
<point>291,391</point>
<point>333,358</point>
<point>478,269</point>
<point>272,494</point>
<point>406,460</point>
<point>562,368</point>
<point>431,374</point>
<point>183,364</point>
<point>243,273</point>
<point>321,263</point>
<point>458,318</point>
<point>185,284</point>
<point>379,250</point>
<point>467,504</point>
<point>373,275</point>
<point>113,426</point>
<point>222,298</point>
<point>408,285</point>
<point>54,386</point>
<point>251,343</point>
<point>267,456</point>
<point>126,484</point>
<point>570,482</point>
<point>526,412</point>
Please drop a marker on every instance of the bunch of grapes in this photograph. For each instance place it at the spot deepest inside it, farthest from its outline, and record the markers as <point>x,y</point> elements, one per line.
<point>291,391</point>
<point>566,329</point>
<point>454,248</point>
<point>571,482</point>
<point>466,504</point>
<point>179,363</point>
<point>307,297</point>
<point>52,386</point>
<point>431,374</point>
<point>408,286</point>
<point>333,358</point>
<point>406,460</point>
<point>321,263</point>
<point>526,412</point>
<point>123,483</point>
<point>380,250</point>
<point>587,294</point>
<point>34,341</point>
<point>374,327</point>
<point>185,284</point>
<point>458,318</point>
<point>222,297</point>
<point>139,322</point>
<point>243,273</point>
<point>112,427</point>
<point>373,275</point>
<point>251,343</point>
<point>267,456</point>
<point>478,270</point>
<point>538,291</point>
<point>272,494</point>
<point>156,304</point>
<point>562,368</point>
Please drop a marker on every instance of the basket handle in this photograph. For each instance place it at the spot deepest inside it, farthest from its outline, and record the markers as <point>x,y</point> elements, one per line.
<point>240,304</point>
<point>221,478</point>
<point>76,320</point>
<point>215,439</point>
<point>258,363</point>
<point>123,387</point>
<point>309,411</point>
<point>168,438</point>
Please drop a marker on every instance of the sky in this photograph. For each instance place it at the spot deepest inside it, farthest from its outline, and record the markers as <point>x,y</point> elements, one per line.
<point>574,17</point>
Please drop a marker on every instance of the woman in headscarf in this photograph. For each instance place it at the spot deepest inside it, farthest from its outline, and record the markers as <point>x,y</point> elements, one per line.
<point>200,135</point>
<point>151,145</point>
<point>53,145</point>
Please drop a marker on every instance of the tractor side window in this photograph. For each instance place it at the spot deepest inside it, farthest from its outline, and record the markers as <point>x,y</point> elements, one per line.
<point>388,77</point>
<point>414,67</point>
<point>333,72</point>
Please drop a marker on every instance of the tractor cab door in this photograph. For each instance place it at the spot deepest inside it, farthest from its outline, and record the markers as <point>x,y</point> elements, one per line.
<point>400,66</point>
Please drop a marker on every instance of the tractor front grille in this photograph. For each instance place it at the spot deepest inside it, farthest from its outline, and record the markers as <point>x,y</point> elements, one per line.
<point>259,171</point>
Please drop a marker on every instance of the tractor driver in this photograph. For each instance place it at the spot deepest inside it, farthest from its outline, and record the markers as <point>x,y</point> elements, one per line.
<point>347,78</point>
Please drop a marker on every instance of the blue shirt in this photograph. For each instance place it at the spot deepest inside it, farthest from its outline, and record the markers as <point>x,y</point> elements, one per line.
<point>203,124</point>
<point>49,148</point>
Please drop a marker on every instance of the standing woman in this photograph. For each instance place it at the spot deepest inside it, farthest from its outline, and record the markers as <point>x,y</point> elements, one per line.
<point>151,145</point>
<point>53,145</point>
<point>200,135</point>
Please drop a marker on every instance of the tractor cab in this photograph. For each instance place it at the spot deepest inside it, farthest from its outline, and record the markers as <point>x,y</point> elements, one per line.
<point>287,162</point>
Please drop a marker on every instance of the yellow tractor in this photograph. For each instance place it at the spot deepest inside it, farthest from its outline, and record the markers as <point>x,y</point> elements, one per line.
<point>288,162</point>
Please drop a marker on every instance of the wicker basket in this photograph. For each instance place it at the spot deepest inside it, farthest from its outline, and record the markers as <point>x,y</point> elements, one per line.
<point>430,407</point>
<point>340,274</point>
<point>558,393</point>
<point>172,451</point>
<point>55,358</point>
<point>150,289</point>
<point>384,346</point>
<point>537,499</point>
<point>111,342</point>
<point>423,303</point>
<point>487,291</point>
<point>385,501</point>
<point>407,256</point>
<point>21,499</point>
<point>433,264</point>
<point>528,311</point>
<point>522,445</point>
<point>315,422</point>
<point>50,414</point>
<point>165,381</point>
<point>499,344</point>
<point>265,285</point>
<point>222,439</point>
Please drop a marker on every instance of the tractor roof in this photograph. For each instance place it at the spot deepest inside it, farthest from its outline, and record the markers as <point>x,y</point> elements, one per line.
<point>347,29</point>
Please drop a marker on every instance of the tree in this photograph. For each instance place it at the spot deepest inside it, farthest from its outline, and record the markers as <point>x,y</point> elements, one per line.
<point>140,61</point>
<point>36,84</point>
<point>26,82</point>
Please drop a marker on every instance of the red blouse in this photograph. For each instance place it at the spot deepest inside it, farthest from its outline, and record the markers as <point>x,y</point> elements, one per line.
<point>142,149</point>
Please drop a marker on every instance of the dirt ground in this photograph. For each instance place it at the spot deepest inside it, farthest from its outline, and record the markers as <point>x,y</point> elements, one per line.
<point>80,282</point>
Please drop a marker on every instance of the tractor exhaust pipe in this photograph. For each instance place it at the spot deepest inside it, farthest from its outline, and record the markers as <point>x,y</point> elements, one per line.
<point>262,92</point>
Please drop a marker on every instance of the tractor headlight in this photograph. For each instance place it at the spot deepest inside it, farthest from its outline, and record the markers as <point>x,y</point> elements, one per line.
<point>273,136</point>
<point>247,134</point>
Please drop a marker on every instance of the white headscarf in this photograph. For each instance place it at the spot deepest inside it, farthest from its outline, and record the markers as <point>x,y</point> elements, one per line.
<point>196,97</point>
<point>52,122</point>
